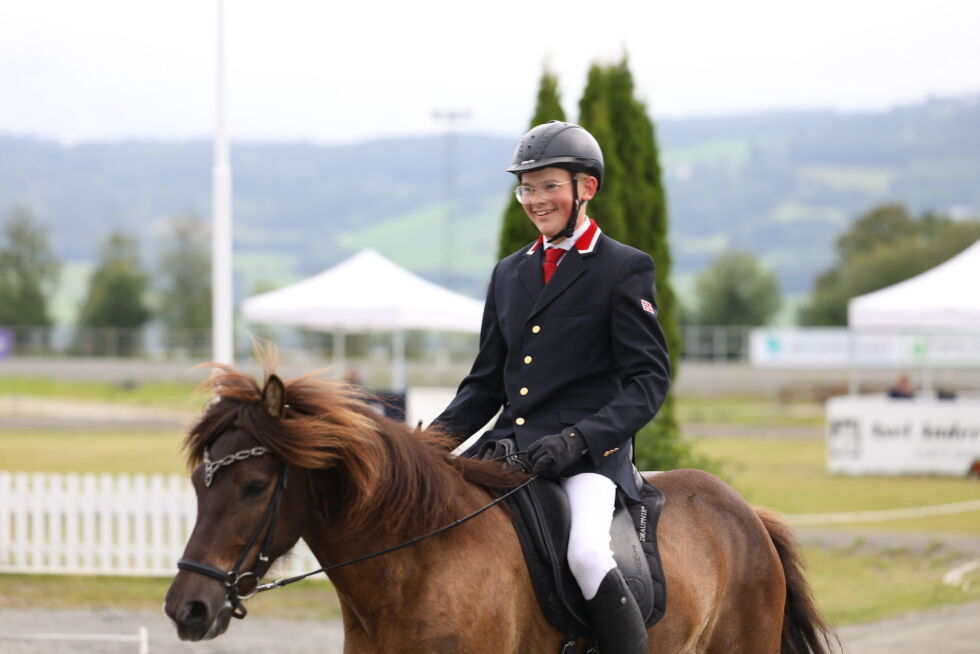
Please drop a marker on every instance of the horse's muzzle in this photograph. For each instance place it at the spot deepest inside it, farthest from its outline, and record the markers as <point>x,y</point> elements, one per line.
<point>197,616</point>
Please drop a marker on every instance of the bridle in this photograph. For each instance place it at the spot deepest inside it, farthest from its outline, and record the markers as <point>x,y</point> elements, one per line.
<point>233,577</point>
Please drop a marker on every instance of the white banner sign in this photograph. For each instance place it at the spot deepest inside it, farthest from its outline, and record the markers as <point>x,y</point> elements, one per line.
<point>881,435</point>
<point>816,347</point>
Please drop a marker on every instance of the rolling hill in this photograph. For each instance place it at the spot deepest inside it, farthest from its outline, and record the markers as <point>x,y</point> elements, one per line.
<point>781,185</point>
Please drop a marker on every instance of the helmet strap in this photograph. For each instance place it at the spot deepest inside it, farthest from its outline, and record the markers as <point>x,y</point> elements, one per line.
<point>573,216</point>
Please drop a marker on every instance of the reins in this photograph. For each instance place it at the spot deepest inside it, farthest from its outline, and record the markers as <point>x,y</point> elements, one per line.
<point>233,577</point>
<point>289,580</point>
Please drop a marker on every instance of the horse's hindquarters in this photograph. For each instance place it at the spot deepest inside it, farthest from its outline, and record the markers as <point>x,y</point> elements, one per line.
<point>725,585</point>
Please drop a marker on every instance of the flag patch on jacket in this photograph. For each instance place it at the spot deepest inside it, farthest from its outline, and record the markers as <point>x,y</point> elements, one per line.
<point>648,307</point>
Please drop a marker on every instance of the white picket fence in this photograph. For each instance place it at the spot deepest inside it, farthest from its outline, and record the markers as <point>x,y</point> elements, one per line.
<point>102,525</point>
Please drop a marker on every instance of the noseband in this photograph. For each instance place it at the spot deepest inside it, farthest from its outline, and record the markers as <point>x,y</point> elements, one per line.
<point>233,577</point>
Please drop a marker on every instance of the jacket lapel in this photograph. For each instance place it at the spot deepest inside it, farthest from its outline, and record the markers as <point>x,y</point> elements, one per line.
<point>529,270</point>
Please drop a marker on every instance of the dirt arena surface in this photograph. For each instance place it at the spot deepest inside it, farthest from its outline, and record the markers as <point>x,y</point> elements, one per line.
<point>251,635</point>
<point>953,630</point>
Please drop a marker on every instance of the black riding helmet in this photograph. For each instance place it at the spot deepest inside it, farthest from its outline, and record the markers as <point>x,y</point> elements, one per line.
<point>560,145</point>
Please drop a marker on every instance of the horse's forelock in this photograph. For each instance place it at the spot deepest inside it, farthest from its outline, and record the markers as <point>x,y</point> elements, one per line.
<point>322,419</point>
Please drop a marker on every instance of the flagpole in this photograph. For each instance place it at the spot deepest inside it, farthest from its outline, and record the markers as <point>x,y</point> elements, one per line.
<point>222,329</point>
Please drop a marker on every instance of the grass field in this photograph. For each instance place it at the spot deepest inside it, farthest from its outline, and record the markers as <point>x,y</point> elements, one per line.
<point>147,394</point>
<point>747,411</point>
<point>789,475</point>
<point>115,450</point>
<point>853,586</point>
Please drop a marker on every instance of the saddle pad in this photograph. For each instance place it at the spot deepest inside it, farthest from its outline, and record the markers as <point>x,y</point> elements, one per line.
<point>541,519</point>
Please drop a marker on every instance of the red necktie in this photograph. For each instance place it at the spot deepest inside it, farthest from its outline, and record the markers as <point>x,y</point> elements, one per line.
<point>551,258</point>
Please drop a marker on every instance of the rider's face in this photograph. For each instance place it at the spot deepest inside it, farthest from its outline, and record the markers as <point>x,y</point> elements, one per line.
<point>550,214</point>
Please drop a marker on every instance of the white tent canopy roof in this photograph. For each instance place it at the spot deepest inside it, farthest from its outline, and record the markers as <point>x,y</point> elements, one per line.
<point>943,297</point>
<point>366,293</point>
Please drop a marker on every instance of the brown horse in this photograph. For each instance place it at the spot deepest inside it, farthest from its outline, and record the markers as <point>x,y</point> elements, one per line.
<point>359,483</point>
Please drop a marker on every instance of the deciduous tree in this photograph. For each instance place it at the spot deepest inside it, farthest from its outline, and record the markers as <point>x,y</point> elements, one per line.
<point>116,295</point>
<point>29,271</point>
<point>883,247</point>
<point>185,282</point>
<point>737,291</point>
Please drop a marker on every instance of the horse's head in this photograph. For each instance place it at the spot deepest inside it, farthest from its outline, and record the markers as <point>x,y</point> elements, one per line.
<point>270,461</point>
<point>251,509</point>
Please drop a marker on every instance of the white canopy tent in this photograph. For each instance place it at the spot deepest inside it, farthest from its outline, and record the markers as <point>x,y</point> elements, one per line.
<point>931,318</point>
<point>942,298</point>
<point>367,293</point>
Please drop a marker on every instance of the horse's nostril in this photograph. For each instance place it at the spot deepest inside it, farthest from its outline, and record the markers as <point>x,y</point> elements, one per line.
<point>195,612</point>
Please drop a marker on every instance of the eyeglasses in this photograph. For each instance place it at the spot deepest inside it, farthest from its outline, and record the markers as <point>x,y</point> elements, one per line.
<point>525,194</point>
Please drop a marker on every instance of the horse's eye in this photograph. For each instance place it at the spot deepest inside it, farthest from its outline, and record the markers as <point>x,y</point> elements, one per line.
<point>255,488</point>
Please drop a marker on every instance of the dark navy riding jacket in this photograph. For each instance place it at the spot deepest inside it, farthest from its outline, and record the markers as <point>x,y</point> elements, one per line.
<point>585,350</point>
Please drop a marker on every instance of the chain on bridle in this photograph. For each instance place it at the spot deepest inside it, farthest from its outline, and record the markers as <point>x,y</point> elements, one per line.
<point>211,467</point>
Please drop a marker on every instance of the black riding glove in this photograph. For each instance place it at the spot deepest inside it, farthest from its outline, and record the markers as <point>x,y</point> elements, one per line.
<point>552,454</point>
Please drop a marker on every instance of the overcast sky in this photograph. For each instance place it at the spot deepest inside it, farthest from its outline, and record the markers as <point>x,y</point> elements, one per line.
<point>334,71</point>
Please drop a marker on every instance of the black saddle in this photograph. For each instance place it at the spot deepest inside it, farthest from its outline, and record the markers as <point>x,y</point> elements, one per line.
<point>542,520</point>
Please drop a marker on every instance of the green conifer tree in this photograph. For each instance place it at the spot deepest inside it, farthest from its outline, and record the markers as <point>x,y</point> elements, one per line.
<point>631,207</point>
<point>517,230</point>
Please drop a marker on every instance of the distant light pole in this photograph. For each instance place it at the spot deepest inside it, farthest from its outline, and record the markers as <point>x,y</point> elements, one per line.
<point>222,327</point>
<point>451,117</point>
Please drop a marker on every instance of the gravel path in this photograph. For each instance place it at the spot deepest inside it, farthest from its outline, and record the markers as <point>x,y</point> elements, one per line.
<point>954,630</point>
<point>869,540</point>
<point>266,635</point>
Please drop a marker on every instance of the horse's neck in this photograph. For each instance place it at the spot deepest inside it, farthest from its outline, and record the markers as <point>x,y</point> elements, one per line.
<point>413,599</point>
<point>414,582</point>
<point>332,542</point>
<point>329,528</point>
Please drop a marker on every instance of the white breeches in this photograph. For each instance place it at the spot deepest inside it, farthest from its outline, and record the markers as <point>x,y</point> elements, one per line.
<point>591,498</point>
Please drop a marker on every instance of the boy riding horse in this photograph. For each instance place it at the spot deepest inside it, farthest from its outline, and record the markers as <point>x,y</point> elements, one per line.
<point>570,347</point>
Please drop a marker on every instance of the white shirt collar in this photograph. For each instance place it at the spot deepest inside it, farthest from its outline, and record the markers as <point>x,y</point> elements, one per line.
<point>569,243</point>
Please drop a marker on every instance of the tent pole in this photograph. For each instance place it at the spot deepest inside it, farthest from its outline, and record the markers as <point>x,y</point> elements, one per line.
<point>398,380</point>
<point>338,352</point>
<point>927,364</point>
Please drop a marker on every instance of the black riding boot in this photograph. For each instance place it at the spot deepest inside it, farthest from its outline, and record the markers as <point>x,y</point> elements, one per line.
<point>616,618</point>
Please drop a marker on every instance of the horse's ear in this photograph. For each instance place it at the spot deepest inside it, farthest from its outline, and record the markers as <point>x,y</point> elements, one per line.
<point>274,397</point>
